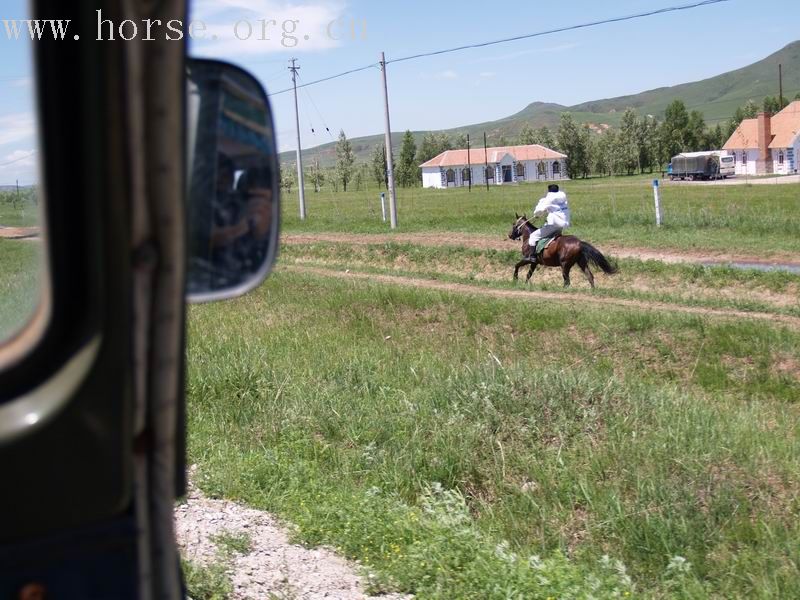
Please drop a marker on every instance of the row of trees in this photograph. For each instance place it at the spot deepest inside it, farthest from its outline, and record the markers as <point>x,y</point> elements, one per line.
<point>638,144</point>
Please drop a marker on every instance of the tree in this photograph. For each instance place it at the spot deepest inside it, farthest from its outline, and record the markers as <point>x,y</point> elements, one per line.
<point>674,129</point>
<point>408,171</point>
<point>695,132</point>
<point>378,166</point>
<point>288,176</point>
<point>545,138</point>
<point>714,138</point>
<point>460,141</point>
<point>797,96</point>
<point>317,176</point>
<point>433,144</point>
<point>526,135</point>
<point>750,110</point>
<point>344,160</point>
<point>573,141</point>
<point>629,141</point>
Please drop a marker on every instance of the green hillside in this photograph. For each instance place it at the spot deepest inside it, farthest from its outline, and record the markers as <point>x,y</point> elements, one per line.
<point>716,97</point>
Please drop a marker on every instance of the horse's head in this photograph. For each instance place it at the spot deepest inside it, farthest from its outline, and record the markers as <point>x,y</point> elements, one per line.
<point>518,228</point>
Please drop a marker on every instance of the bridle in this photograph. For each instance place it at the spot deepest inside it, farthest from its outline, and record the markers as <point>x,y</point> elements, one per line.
<point>518,228</point>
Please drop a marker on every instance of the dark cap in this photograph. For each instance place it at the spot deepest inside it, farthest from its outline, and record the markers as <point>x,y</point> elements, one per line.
<point>552,188</point>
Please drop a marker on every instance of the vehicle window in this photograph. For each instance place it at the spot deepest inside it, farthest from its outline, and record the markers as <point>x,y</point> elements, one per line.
<point>21,257</point>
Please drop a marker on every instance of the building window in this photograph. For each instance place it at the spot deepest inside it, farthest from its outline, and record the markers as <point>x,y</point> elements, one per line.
<point>744,157</point>
<point>451,176</point>
<point>734,158</point>
<point>541,170</point>
<point>556,169</point>
<point>466,175</point>
<point>489,173</point>
<point>780,157</point>
<point>520,170</point>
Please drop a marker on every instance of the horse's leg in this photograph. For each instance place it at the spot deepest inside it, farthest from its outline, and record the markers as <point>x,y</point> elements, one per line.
<point>530,273</point>
<point>518,266</point>
<point>565,268</point>
<point>584,265</point>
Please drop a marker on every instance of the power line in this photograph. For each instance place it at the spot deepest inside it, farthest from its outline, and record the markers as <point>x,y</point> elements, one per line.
<point>16,160</point>
<point>350,72</point>
<point>314,104</point>
<point>650,13</point>
<point>562,29</point>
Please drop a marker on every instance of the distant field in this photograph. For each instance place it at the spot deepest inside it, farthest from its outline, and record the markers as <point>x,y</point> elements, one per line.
<point>470,447</point>
<point>19,264</point>
<point>19,284</point>
<point>746,219</point>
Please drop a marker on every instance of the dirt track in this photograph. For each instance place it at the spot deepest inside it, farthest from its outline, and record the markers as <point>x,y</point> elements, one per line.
<point>18,233</point>
<point>483,242</point>
<point>532,295</point>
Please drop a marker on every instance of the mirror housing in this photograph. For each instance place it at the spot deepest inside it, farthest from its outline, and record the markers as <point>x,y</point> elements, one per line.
<point>233,207</point>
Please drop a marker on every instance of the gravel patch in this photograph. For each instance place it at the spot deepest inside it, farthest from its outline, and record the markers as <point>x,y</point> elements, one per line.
<point>274,567</point>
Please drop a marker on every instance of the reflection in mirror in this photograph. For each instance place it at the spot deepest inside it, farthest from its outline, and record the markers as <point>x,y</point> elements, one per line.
<point>233,182</point>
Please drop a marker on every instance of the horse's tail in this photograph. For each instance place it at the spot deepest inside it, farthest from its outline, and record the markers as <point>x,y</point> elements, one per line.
<point>594,255</point>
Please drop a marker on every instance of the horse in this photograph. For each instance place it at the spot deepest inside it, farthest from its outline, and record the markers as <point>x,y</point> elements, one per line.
<point>564,252</point>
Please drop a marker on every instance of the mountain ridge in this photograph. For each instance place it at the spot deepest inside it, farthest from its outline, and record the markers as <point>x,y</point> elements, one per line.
<point>716,97</point>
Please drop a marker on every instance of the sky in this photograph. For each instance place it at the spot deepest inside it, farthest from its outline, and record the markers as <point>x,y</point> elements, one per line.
<point>440,92</point>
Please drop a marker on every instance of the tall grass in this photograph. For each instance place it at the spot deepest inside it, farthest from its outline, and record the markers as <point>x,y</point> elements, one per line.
<point>19,284</point>
<point>461,447</point>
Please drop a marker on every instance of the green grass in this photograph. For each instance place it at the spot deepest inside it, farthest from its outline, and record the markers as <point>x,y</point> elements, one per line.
<point>755,219</point>
<point>210,582</point>
<point>19,284</point>
<point>232,542</point>
<point>445,441</point>
<point>687,284</point>
<point>22,212</point>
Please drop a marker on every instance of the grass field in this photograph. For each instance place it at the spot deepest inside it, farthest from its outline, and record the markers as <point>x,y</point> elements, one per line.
<point>751,219</point>
<point>19,264</point>
<point>472,447</point>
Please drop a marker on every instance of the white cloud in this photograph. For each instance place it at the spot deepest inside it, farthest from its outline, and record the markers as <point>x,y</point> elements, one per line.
<point>19,165</point>
<point>247,27</point>
<point>446,74</point>
<point>487,74</point>
<point>22,82</point>
<point>16,127</point>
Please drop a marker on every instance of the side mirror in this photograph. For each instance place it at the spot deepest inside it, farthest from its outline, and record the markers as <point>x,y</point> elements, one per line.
<point>233,200</point>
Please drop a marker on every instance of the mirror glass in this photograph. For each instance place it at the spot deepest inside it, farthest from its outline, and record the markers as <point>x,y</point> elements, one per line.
<point>233,209</point>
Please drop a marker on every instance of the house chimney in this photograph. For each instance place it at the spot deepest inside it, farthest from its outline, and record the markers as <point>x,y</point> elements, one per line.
<point>764,161</point>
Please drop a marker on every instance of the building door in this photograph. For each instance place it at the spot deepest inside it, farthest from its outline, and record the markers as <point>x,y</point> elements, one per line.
<point>507,177</point>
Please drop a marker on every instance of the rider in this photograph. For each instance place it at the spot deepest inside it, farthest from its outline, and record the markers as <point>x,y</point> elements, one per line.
<point>556,207</point>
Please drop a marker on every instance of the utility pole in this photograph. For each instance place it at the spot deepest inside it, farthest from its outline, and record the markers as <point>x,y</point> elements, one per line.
<point>469,165</point>
<point>389,158</point>
<point>300,187</point>
<point>780,87</point>
<point>486,158</point>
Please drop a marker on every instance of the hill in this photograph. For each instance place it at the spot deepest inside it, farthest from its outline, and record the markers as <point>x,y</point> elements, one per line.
<point>716,97</point>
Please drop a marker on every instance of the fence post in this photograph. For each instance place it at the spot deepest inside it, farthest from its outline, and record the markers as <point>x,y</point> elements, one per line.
<point>383,206</point>
<point>657,195</point>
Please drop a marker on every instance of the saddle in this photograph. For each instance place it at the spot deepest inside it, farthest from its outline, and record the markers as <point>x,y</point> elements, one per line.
<point>543,243</point>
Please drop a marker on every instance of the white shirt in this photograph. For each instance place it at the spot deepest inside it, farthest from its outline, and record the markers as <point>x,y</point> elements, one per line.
<point>552,202</point>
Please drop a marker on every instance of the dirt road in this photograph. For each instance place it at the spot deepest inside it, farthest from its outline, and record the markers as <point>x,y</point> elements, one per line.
<point>484,242</point>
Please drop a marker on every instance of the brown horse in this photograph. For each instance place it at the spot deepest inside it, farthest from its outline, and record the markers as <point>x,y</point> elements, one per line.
<point>564,252</point>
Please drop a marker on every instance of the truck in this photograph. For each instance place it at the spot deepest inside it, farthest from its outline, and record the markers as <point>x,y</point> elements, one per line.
<point>693,166</point>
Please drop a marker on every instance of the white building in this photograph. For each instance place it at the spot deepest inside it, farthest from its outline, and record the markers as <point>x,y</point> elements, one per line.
<point>767,144</point>
<point>507,164</point>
